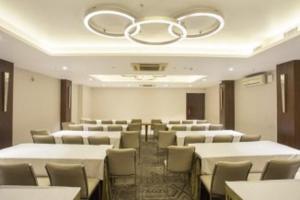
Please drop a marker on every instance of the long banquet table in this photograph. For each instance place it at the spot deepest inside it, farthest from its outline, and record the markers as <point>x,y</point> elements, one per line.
<point>91,156</point>
<point>114,136</point>
<point>259,153</point>
<point>38,193</point>
<point>263,190</point>
<point>208,135</point>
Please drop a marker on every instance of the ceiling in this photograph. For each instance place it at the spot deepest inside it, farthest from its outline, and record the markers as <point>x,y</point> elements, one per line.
<point>44,36</point>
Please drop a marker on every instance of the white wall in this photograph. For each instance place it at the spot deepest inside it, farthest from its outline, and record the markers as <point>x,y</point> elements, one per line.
<point>36,104</point>
<point>127,103</point>
<point>212,104</point>
<point>256,109</point>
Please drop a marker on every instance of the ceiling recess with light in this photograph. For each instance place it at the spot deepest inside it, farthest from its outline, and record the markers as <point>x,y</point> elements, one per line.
<point>164,29</point>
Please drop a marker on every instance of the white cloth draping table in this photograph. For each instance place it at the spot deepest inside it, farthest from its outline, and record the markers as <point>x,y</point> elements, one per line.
<point>38,193</point>
<point>91,156</point>
<point>266,190</point>
<point>113,136</point>
<point>105,126</point>
<point>259,153</point>
<point>189,126</point>
<point>208,135</point>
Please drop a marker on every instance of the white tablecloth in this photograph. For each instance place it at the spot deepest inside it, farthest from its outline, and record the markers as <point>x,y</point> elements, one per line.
<point>188,126</point>
<point>38,193</point>
<point>257,152</point>
<point>113,136</point>
<point>105,126</point>
<point>266,190</point>
<point>208,134</point>
<point>91,156</point>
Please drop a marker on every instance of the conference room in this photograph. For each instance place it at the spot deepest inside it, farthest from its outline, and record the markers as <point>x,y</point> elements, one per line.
<point>149,100</point>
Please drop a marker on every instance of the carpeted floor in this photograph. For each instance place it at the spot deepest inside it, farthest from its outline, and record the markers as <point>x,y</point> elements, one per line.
<point>152,184</point>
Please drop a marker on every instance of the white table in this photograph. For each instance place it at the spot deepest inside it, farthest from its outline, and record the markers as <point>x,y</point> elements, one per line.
<point>259,153</point>
<point>189,126</point>
<point>91,156</point>
<point>114,137</point>
<point>38,193</point>
<point>208,135</point>
<point>264,190</point>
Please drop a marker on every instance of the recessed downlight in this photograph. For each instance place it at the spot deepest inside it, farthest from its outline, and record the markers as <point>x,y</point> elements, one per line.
<point>231,69</point>
<point>65,68</point>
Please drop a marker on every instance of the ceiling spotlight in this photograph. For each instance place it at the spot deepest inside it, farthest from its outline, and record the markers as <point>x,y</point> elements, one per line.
<point>231,69</point>
<point>203,80</point>
<point>65,68</point>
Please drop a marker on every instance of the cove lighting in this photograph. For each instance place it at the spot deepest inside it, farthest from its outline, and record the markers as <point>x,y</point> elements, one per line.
<point>147,79</point>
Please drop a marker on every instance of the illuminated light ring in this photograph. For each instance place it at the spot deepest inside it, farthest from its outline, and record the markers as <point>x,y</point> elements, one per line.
<point>95,11</point>
<point>155,20</point>
<point>218,25</point>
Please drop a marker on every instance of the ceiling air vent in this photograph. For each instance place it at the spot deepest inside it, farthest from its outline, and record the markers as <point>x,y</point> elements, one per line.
<point>149,67</point>
<point>147,85</point>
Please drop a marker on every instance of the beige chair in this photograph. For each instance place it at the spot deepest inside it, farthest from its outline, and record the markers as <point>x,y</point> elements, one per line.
<point>39,132</point>
<point>187,121</point>
<point>222,139</point>
<point>135,121</point>
<point>17,174</point>
<point>250,138</point>
<point>74,127</point>
<point>121,164</point>
<point>131,139</point>
<point>198,128</point>
<point>88,121</point>
<point>178,128</point>
<point>280,169</point>
<point>65,125</point>
<point>98,140</point>
<point>106,122</point>
<point>194,139</point>
<point>202,121</point>
<point>157,128</point>
<point>67,139</point>
<point>156,121</point>
<point>165,139</point>
<point>134,127</point>
<point>72,175</point>
<point>115,128</point>
<point>121,122</point>
<point>215,127</point>
<point>95,128</point>
<point>174,122</point>
<point>224,171</point>
<point>43,139</point>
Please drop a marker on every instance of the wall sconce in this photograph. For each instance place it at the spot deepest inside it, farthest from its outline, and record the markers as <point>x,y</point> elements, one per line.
<point>6,77</point>
<point>283,92</point>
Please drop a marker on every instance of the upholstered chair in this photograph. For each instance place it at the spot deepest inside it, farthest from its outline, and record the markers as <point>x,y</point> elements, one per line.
<point>98,140</point>
<point>280,169</point>
<point>106,122</point>
<point>43,139</point>
<point>187,121</point>
<point>95,128</point>
<point>39,132</point>
<point>134,127</point>
<point>178,128</point>
<point>198,128</point>
<point>157,128</point>
<point>250,138</point>
<point>115,128</point>
<point>215,127</point>
<point>194,139</point>
<point>121,122</point>
<point>222,139</point>
<point>75,127</point>
<point>68,139</point>
<point>174,122</point>
<point>135,121</point>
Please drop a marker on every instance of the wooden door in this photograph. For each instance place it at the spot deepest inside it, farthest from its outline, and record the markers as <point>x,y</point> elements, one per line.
<point>195,106</point>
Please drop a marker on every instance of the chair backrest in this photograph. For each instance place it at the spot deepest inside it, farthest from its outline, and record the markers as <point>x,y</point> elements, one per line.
<point>222,139</point>
<point>134,127</point>
<point>68,139</point>
<point>43,139</point>
<point>121,162</point>
<point>156,121</point>
<point>280,169</point>
<point>134,121</point>
<point>95,128</point>
<point>228,171</point>
<point>215,127</point>
<point>115,128</point>
<point>130,139</point>
<point>201,121</point>
<point>17,174</point>
<point>250,138</point>
<point>166,138</point>
<point>187,121</point>
<point>39,132</point>
<point>65,125</point>
<point>74,127</point>
<point>69,175</point>
<point>178,128</point>
<point>158,127</point>
<point>98,140</point>
<point>198,128</point>
<point>121,122</point>
<point>88,121</point>
<point>174,122</point>
<point>180,158</point>
<point>194,139</point>
<point>106,122</point>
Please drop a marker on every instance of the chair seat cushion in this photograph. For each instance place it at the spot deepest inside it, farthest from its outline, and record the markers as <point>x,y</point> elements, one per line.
<point>206,181</point>
<point>92,185</point>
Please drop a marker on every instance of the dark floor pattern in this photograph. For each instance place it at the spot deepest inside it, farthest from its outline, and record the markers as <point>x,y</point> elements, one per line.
<point>152,184</point>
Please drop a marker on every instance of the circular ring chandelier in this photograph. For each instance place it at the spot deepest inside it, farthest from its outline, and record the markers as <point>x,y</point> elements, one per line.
<point>176,27</point>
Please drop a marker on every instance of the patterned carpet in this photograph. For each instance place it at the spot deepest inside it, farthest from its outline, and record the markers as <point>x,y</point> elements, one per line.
<point>152,184</point>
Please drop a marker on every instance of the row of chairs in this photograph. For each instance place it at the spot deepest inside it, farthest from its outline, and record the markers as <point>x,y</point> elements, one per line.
<point>89,121</point>
<point>75,127</point>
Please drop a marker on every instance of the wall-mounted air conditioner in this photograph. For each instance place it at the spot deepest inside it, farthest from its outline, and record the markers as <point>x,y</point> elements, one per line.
<point>255,80</point>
